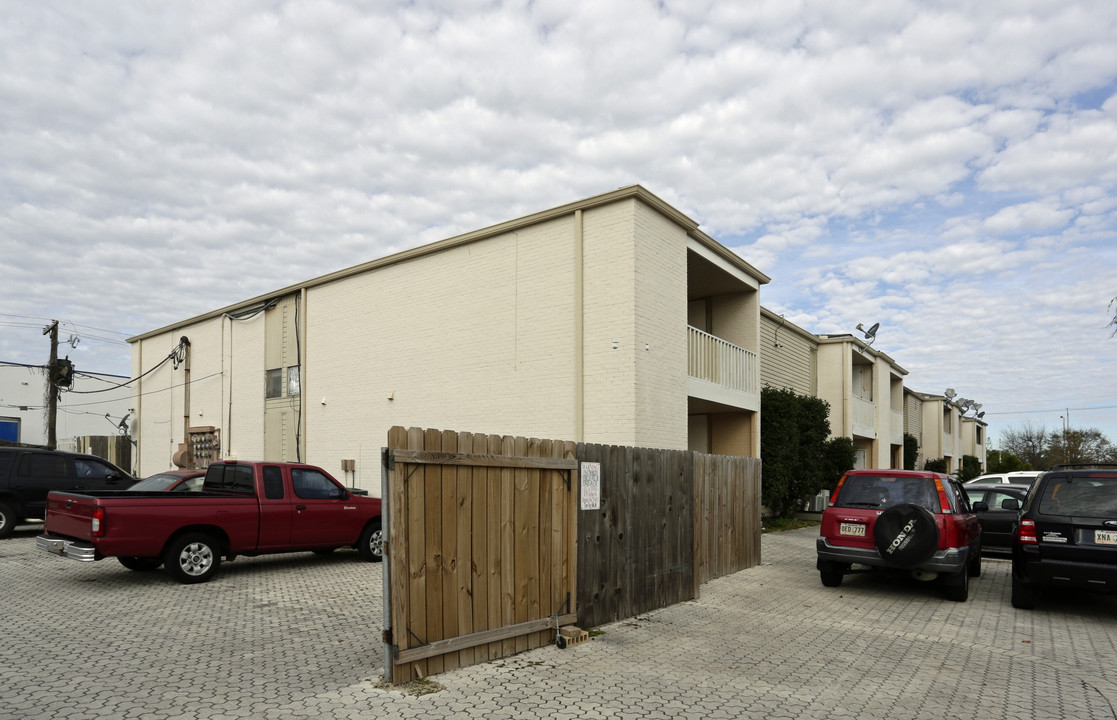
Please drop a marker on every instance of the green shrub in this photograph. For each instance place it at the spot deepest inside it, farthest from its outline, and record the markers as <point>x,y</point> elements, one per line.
<point>798,459</point>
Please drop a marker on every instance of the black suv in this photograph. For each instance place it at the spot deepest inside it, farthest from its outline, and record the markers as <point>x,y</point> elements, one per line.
<point>1067,533</point>
<point>28,474</point>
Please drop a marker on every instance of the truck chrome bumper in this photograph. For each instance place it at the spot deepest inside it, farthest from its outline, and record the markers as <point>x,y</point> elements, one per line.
<point>73,549</point>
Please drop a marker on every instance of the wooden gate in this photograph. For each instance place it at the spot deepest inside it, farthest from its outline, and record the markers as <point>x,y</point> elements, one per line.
<point>481,547</point>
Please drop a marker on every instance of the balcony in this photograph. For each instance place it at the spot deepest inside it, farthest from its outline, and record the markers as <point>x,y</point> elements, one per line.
<point>864,418</point>
<point>897,436</point>
<point>721,372</point>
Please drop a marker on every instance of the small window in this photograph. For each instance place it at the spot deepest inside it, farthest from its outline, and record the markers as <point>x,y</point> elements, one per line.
<point>313,485</point>
<point>274,383</point>
<point>293,380</point>
<point>273,483</point>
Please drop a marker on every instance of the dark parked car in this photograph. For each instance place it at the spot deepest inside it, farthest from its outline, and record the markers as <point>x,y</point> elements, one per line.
<point>916,521</point>
<point>172,481</point>
<point>28,474</point>
<point>1004,503</point>
<point>1067,533</point>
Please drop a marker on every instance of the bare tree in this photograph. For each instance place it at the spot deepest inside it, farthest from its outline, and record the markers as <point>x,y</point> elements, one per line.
<point>1030,443</point>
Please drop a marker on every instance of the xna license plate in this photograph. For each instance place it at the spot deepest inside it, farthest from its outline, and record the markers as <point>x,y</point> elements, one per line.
<point>1105,537</point>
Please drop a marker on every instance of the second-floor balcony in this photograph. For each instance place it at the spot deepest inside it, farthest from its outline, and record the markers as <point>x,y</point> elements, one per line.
<point>721,371</point>
<point>864,417</point>
<point>897,436</point>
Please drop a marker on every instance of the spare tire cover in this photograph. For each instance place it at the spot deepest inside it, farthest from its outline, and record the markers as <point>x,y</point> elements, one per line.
<point>906,535</point>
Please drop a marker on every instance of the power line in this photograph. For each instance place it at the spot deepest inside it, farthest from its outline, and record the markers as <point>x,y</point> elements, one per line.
<point>1061,409</point>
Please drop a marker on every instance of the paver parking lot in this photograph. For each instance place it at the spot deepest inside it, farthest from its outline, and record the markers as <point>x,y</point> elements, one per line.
<point>298,636</point>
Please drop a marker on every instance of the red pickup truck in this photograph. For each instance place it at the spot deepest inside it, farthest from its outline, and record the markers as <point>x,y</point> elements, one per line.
<point>244,508</point>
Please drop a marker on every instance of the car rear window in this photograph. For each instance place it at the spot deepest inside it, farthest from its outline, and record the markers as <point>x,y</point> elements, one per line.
<point>1093,496</point>
<point>869,491</point>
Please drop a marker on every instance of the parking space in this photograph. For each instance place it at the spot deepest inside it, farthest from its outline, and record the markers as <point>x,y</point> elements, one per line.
<point>298,636</point>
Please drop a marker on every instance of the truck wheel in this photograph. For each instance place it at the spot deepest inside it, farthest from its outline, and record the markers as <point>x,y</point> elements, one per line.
<point>1023,595</point>
<point>193,558</point>
<point>7,520</point>
<point>371,544</point>
<point>141,564</point>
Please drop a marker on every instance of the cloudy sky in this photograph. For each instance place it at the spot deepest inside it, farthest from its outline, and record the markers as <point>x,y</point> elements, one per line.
<point>945,169</point>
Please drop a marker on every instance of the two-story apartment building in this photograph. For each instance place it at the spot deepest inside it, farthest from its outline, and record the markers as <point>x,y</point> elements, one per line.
<point>613,319</point>
<point>943,430</point>
<point>863,386</point>
<point>865,389</point>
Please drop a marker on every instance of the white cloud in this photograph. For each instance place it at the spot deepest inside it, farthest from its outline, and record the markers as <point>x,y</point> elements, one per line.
<point>939,169</point>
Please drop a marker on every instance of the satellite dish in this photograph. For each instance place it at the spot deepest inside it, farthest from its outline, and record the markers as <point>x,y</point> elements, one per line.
<point>977,406</point>
<point>980,415</point>
<point>950,393</point>
<point>871,333</point>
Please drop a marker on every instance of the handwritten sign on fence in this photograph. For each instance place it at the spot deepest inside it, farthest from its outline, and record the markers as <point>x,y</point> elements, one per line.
<point>591,485</point>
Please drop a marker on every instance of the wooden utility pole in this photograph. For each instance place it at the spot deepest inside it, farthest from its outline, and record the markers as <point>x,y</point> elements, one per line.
<point>52,385</point>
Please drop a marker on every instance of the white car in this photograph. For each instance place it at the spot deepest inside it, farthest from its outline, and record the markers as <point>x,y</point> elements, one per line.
<point>1019,477</point>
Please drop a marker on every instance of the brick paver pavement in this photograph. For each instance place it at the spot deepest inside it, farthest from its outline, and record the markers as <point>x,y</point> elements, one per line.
<point>297,636</point>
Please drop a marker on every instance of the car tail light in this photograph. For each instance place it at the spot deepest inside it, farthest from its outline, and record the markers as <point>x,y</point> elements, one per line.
<point>1026,532</point>
<point>838,489</point>
<point>944,501</point>
<point>97,524</point>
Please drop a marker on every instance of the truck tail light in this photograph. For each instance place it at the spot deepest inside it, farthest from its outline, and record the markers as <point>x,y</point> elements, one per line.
<point>97,524</point>
<point>1026,532</point>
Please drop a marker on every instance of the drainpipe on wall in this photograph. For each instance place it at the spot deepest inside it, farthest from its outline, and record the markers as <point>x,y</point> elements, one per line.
<point>579,331</point>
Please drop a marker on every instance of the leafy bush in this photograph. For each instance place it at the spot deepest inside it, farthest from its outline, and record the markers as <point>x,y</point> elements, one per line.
<point>936,465</point>
<point>971,468</point>
<point>911,451</point>
<point>798,459</point>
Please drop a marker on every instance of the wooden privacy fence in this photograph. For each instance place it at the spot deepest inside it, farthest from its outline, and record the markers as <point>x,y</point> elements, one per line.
<point>489,552</point>
<point>668,521</point>
<point>481,552</point>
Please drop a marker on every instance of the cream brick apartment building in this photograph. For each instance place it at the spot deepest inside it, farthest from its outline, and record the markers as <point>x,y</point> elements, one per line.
<point>868,401</point>
<point>613,319</point>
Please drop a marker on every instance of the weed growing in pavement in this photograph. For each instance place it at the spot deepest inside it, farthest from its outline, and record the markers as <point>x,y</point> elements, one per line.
<point>415,688</point>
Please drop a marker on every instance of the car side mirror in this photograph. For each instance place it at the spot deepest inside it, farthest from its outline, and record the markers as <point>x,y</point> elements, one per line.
<point>1010,504</point>
<point>981,506</point>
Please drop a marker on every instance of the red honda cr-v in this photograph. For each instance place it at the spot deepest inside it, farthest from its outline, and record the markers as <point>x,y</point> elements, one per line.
<point>910,520</point>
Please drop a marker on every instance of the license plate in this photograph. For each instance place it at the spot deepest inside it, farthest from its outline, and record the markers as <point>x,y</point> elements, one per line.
<point>859,530</point>
<point>1105,537</point>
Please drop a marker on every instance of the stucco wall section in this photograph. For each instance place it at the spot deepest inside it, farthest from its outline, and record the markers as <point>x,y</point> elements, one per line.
<point>161,396</point>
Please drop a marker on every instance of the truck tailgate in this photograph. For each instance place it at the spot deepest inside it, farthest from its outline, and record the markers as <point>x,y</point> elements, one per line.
<point>70,515</point>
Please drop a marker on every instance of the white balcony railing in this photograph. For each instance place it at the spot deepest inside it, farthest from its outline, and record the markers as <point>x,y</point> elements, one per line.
<point>897,427</point>
<point>864,416</point>
<point>714,360</point>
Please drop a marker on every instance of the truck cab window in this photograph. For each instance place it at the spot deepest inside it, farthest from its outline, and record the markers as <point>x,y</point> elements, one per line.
<point>313,485</point>
<point>273,482</point>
